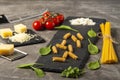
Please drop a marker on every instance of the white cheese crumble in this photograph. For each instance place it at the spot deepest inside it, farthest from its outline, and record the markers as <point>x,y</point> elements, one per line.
<point>21,37</point>
<point>82,21</point>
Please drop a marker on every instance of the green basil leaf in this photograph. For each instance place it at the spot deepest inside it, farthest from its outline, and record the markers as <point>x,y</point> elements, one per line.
<point>45,50</point>
<point>64,27</point>
<point>94,65</point>
<point>26,65</point>
<point>91,33</point>
<point>92,49</point>
<point>39,72</point>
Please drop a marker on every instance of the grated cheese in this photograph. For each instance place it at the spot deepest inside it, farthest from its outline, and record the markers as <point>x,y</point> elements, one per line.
<point>82,21</point>
<point>21,37</point>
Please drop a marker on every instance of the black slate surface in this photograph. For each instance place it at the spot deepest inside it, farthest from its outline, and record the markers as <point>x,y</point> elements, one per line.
<point>82,53</point>
<point>35,40</point>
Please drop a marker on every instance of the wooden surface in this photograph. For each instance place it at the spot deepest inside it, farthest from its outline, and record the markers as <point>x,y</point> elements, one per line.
<point>107,9</point>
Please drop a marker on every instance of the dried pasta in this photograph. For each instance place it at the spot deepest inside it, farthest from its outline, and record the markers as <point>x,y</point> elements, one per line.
<point>63,42</point>
<point>70,48</point>
<point>65,54</point>
<point>67,35</point>
<point>68,52</point>
<point>61,46</point>
<point>74,38</point>
<point>72,55</point>
<point>60,59</point>
<point>78,44</point>
<point>54,49</point>
<point>79,36</point>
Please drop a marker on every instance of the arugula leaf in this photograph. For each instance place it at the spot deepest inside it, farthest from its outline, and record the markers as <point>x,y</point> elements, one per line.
<point>91,33</point>
<point>72,72</point>
<point>92,49</point>
<point>94,65</point>
<point>45,50</point>
<point>64,27</point>
<point>39,72</point>
<point>26,65</point>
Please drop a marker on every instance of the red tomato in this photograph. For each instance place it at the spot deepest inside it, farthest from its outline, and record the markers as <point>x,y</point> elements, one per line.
<point>49,19</point>
<point>49,25</point>
<point>41,20</point>
<point>37,25</point>
<point>60,17</point>
<point>46,17</point>
<point>47,13</point>
<point>56,21</point>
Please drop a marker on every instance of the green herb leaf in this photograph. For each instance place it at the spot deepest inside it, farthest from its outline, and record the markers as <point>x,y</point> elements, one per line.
<point>72,72</point>
<point>94,65</point>
<point>39,72</point>
<point>26,65</point>
<point>45,50</point>
<point>64,27</point>
<point>91,33</point>
<point>92,49</point>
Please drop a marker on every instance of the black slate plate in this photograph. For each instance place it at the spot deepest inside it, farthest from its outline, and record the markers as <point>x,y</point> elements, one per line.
<point>82,53</point>
<point>35,40</point>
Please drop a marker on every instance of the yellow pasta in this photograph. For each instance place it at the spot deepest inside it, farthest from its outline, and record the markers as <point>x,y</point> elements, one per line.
<point>72,55</point>
<point>78,43</point>
<point>60,59</point>
<point>67,35</point>
<point>65,54</point>
<point>63,42</point>
<point>80,36</point>
<point>73,38</point>
<point>61,46</point>
<point>70,48</point>
<point>54,49</point>
<point>108,52</point>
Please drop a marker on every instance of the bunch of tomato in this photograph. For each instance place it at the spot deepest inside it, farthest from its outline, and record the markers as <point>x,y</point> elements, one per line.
<point>48,20</point>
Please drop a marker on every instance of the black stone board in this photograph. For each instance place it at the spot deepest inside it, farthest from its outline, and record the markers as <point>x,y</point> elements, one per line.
<point>35,40</point>
<point>82,53</point>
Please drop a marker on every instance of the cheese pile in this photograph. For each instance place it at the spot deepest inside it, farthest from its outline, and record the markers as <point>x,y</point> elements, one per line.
<point>82,21</point>
<point>21,37</point>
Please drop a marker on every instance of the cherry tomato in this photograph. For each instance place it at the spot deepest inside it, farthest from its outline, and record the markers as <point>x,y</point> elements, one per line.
<point>49,25</point>
<point>49,19</point>
<point>55,20</point>
<point>42,20</point>
<point>47,13</point>
<point>46,17</point>
<point>60,17</point>
<point>37,25</point>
